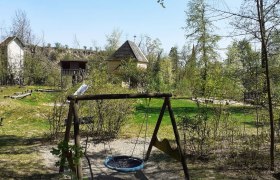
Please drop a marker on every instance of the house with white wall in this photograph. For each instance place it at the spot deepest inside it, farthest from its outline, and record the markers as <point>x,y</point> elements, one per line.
<point>11,59</point>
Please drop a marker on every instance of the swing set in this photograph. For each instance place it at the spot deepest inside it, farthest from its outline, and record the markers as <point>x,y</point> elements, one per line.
<point>122,163</point>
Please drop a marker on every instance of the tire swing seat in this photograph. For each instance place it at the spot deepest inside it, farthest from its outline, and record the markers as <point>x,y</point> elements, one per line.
<point>124,163</point>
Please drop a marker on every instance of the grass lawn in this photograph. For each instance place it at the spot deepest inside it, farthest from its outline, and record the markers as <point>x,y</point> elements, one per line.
<point>180,107</point>
<point>22,133</point>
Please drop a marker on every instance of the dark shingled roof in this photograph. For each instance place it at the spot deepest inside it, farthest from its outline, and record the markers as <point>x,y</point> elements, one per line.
<point>128,50</point>
<point>9,39</point>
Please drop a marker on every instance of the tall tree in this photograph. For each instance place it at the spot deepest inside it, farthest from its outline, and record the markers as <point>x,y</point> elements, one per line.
<point>165,75</point>
<point>259,19</point>
<point>191,75</point>
<point>261,23</point>
<point>200,29</point>
<point>174,57</point>
<point>243,65</point>
<point>153,51</point>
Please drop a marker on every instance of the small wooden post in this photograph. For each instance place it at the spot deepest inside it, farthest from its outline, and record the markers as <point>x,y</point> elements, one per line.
<point>77,140</point>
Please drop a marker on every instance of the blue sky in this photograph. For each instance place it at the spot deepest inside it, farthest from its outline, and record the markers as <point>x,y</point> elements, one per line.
<point>92,20</point>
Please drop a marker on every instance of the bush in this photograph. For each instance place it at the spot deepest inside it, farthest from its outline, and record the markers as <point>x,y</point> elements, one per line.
<point>103,117</point>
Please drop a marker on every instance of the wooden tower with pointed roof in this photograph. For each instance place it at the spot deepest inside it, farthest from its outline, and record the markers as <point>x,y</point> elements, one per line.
<point>128,51</point>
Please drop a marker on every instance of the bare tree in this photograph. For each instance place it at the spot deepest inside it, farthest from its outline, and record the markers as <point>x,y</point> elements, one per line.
<point>21,27</point>
<point>149,46</point>
<point>260,19</point>
<point>113,40</point>
<point>76,43</point>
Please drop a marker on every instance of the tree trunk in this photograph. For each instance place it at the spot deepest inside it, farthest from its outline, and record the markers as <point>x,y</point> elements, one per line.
<point>264,55</point>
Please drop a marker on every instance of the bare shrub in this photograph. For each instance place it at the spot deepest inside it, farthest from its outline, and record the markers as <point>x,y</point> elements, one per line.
<point>57,116</point>
<point>106,116</point>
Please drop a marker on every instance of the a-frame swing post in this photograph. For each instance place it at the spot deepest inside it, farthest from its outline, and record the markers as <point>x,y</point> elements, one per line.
<point>177,137</point>
<point>66,154</point>
<point>154,137</point>
<point>72,115</point>
<point>165,145</point>
<point>77,141</point>
<point>162,145</point>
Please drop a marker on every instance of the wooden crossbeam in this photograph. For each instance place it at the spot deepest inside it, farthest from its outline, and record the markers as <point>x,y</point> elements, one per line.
<point>118,96</point>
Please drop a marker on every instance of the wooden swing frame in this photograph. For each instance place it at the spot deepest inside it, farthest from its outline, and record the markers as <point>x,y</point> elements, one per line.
<point>163,145</point>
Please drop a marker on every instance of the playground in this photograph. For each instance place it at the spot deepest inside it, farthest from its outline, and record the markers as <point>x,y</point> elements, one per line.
<point>158,166</point>
<point>25,150</point>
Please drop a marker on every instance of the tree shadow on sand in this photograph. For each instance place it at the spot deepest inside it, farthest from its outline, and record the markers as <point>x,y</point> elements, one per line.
<point>20,159</point>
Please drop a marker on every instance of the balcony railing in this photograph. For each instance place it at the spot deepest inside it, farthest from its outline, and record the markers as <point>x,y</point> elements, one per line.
<point>68,72</point>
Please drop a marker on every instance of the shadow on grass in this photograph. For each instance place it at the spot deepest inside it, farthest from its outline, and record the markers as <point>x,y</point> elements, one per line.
<point>11,174</point>
<point>193,110</point>
<point>11,140</point>
<point>255,125</point>
<point>156,110</point>
<point>20,159</point>
<point>13,145</point>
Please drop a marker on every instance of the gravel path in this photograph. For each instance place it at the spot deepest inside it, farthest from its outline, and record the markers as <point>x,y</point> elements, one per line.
<point>159,165</point>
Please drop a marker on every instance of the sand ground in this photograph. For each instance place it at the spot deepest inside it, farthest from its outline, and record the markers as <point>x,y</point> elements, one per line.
<point>159,165</point>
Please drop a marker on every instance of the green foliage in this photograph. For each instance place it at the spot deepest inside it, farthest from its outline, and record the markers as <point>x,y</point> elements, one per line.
<point>135,76</point>
<point>220,86</point>
<point>174,57</point>
<point>191,77</point>
<point>198,131</point>
<point>166,77</point>
<point>3,66</point>
<point>57,117</point>
<point>200,29</point>
<point>244,66</point>
<point>39,70</point>
<point>105,117</point>
<point>64,147</point>
<point>108,115</point>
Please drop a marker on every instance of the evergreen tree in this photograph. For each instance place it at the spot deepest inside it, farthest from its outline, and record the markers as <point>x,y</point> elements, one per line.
<point>174,57</point>
<point>200,29</point>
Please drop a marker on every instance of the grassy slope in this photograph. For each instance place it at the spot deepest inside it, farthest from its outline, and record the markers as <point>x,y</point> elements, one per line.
<point>25,123</point>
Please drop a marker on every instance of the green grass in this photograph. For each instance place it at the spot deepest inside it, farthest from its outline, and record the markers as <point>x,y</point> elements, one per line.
<point>180,107</point>
<point>189,108</point>
<point>30,113</point>
<point>39,97</point>
<point>22,133</point>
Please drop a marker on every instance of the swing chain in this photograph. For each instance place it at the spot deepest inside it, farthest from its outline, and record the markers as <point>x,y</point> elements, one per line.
<point>145,120</point>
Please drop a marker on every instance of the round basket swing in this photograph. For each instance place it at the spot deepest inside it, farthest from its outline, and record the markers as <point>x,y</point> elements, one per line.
<point>124,163</point>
